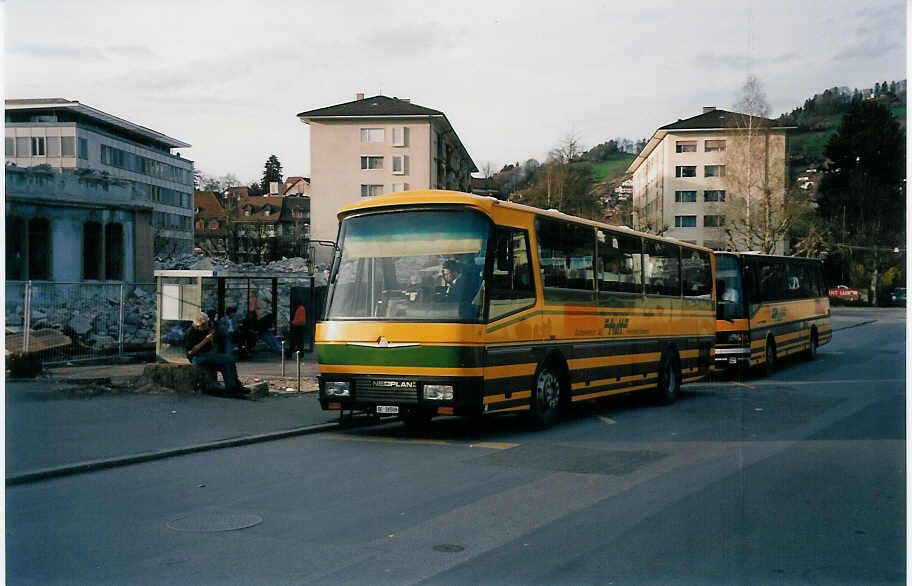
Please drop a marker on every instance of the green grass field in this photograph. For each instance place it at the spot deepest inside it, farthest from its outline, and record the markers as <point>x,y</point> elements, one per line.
<point>610,169</point>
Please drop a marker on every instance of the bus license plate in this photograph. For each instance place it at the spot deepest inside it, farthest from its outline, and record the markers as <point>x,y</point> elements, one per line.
<point>389,409</point>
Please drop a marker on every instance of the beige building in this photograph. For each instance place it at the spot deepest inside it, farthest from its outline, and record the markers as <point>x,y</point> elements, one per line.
<point>378,145</point>
<point>695,177</point>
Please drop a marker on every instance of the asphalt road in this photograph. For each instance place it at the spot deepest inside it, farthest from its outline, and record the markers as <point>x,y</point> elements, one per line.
<point>794,479</point>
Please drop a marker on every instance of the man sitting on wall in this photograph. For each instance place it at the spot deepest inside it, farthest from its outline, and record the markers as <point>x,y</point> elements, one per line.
<point>202,343</point>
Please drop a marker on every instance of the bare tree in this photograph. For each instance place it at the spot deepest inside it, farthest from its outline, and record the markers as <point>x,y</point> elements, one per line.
<point>759,215</point>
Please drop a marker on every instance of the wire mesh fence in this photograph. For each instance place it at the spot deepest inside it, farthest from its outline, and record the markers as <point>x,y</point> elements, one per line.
<point>68,322</point>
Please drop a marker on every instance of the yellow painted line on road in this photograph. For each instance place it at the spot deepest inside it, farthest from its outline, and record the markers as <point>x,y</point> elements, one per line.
<point>607,420</point>
<point>494,445</point>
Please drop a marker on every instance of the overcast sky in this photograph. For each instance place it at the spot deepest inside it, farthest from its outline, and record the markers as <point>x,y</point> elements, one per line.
<point>512,77</point>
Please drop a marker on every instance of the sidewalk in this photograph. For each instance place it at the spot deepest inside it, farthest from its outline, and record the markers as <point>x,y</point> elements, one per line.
<point>55,427</point>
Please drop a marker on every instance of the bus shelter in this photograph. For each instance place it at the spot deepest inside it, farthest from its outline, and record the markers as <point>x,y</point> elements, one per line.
<point>269,299</point>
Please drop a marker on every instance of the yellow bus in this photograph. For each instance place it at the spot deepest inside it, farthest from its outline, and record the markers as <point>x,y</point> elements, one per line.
<point>769,307</point>
<point>446,303</point>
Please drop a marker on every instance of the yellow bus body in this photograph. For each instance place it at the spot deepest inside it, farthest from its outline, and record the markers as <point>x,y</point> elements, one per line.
<point>605,348</point>
<point>784,326</point>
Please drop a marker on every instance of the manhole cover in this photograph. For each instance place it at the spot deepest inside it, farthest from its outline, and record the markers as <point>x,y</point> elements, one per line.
<point>449,548</point>
<point>213,522</point>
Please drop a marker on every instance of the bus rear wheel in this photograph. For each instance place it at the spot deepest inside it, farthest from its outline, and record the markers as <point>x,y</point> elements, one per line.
<point>770,366</point>
<point>669,385</point>
<point>546,396</point>
<point>812,346</point>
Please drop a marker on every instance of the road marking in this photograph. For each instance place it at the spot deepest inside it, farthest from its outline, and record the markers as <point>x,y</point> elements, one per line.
<point>831,382</point>
<point>737,384</point>
<point>607,420</point>
<point>494,445</point>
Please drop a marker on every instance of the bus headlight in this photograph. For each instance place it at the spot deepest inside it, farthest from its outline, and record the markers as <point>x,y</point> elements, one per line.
<point>737,338</point>
<point>438,392</point>
<point>338,388</point>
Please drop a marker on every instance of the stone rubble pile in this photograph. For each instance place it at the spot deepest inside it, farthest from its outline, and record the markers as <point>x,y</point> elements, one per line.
<point>90,314</point>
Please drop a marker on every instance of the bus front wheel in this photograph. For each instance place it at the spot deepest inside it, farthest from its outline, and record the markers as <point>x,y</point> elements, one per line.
<point>669,385</point>
<point>546,396</point>
<point>770,356</point>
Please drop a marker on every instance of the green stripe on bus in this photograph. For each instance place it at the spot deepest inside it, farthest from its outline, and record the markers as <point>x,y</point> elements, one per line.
<point>420,356</point>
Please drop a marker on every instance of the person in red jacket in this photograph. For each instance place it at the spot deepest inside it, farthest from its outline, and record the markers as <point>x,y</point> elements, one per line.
<point>298,328</point>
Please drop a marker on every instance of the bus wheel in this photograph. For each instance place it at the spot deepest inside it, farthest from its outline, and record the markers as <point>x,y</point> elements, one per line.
<point>812,346</point>
<point>770,365</point>
<point>546,396</point>
<point>669,384</point>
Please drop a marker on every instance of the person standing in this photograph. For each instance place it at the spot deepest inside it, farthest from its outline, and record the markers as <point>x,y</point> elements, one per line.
<point>229,328</point>
<point>299,328</point>
<point>202,344</point>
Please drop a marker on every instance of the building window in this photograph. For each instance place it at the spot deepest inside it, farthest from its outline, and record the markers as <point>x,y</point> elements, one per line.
<point>400,136</point>
<point>199,224</point>
<point>714,195</point>
<point>400,187</point>
<point>686,171</point>
<point>68,146</point>
<point>91,251</point>
<point>686,146</point>
<point>714,170</point>
<point>83,149</point>
<point>53,146</point>
<point>371,162</point>
<point>37,146</point>
<point>266,212</point>
<point>114,252</point>
<point>10,146</point>
<point>371,190</point>
<point>685,221</point>
<point>246,211</point>
<point>372,135</point>
<point>713,221</point>
<point>213,225</point>
<point>714,146</point>
<point>685,196</point>
<point>400,165</point>
<point>15,248</point>
<point>23,146</point>
<point>39,249</point>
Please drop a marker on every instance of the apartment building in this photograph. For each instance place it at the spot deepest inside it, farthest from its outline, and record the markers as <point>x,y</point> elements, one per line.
<point>69,136</point>
<point>695,178</point>
<point>378,145</point>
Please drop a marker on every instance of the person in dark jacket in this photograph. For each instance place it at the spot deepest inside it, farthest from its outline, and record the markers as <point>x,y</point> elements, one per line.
<point>202,344</point>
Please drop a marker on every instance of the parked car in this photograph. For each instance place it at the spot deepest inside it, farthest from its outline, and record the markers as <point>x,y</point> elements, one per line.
<point>843,293</point>
<point>898,297</point>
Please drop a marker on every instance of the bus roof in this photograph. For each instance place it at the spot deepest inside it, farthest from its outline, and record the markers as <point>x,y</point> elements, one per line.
<point>485,204</point>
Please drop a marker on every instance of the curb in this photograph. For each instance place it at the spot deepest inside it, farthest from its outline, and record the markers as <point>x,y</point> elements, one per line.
<point>94,465</point>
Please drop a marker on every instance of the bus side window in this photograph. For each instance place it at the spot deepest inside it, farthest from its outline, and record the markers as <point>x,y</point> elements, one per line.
<point>512,287</point>
<point>619,263</point>
<point>663,268</point>
<point>695,266</point>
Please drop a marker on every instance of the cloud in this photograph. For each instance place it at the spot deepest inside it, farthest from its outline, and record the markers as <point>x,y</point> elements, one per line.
<point>408,40</point>
<point>741,61</point>
<point>880,30</point>
<point>81,52</point>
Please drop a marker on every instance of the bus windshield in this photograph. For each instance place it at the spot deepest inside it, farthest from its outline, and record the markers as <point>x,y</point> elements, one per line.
<point>421,265</point>
<point>729,288</point>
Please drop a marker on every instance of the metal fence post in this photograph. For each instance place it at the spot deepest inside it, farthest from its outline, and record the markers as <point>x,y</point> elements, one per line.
<point>27,318</point>
<point>120,323</point>
<point>283,358</point>
<point>298,360</point>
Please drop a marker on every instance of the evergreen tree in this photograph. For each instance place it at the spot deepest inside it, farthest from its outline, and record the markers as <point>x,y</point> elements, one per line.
<point>272,171</point>
<point>861,194</point>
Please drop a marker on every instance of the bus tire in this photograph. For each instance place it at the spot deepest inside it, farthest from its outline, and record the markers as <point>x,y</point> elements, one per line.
<point>546,395</point>
<point>669,384</point>
<point>769,366</point>
<point>811,353</point>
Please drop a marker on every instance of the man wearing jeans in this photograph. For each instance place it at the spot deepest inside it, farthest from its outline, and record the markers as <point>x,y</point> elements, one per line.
<point>202,343</point>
